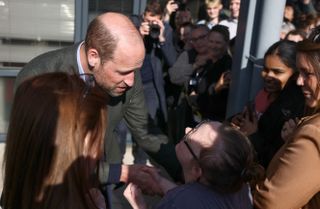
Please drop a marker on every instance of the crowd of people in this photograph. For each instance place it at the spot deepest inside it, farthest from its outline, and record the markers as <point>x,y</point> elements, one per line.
<point>164,77</point>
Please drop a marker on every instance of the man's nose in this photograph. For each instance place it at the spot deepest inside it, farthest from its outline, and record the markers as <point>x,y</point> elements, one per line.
<point>129,79</point>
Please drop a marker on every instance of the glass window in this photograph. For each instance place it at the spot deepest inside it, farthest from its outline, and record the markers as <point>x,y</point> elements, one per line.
<point>31,27</point>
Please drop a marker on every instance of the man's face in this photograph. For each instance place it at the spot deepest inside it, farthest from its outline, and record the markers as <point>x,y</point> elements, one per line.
<point>116,76</point>
<point>148,17</point>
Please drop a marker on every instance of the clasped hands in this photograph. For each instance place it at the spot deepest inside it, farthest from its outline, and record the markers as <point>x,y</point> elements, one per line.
<point>147,178</point>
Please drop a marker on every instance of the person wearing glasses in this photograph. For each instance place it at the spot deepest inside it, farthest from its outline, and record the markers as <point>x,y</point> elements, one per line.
<point>217,162</point>
<point>292,178</point>
<point>54,143</point>
<point>113,52</point>
<point>187,62</point>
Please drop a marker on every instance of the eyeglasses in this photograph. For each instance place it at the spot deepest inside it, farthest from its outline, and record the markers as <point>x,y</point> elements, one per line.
<point>186,137</point>
<point>194,40</point>
<point>89,81</point>
<point>190,149</point>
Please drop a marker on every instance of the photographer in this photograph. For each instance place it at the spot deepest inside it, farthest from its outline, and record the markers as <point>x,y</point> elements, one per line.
<point>157,38</point>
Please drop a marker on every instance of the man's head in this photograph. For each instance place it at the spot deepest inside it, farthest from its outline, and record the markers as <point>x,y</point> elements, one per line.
<point>216,155</point>
<point>114,50</point>
<point>152,11</point>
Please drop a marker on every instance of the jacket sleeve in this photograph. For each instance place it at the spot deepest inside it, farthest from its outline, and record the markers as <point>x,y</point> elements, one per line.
<point>147,135</point>
<point>292,178</point>
<point>167,48</point>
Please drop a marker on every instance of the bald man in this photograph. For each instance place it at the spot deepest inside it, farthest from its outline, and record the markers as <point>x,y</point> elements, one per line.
<point>113,52</point>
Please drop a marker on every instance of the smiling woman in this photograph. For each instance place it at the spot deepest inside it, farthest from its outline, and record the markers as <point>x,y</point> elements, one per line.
<point>280,100</point>
<point>292,179</point>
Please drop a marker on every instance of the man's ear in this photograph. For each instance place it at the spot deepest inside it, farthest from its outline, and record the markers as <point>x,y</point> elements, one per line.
<point>93,58</point>
<point>196,171</point>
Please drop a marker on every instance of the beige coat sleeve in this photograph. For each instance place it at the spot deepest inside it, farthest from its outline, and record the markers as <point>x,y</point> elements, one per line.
<point>293,176</point>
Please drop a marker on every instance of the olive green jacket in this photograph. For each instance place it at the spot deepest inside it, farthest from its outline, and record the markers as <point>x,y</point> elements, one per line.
<point>130,106</point>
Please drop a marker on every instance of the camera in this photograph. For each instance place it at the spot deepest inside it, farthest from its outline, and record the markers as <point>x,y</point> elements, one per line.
<point>154,31</point>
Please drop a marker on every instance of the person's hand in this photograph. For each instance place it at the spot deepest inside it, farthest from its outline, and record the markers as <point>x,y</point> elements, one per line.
<point>249,122</point>
<point>144,28</point>
<point>134,196</point>
<point>288,128</point>
<point>161,25</point>
<point>141,175</point>
<point>223,82</point>
<point>171,7</point>
<point>200,61</point>
<point>236,120</point>
<point>163,183</point>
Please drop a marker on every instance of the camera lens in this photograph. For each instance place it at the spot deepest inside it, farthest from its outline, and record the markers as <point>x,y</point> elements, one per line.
<point>154,31</point>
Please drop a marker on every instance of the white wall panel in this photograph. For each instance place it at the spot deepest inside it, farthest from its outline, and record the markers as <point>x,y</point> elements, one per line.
<point>37,19</point>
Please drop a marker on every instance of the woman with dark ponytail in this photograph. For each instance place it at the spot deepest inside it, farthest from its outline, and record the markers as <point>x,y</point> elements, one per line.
<point>293,176</point>
<point>218,164</point>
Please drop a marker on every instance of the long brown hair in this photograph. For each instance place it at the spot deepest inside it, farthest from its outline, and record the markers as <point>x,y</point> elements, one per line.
<point>310,49</point>
<point>45,161</point>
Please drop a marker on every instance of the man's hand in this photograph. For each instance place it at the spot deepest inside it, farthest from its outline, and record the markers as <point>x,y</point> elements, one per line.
<point>171,7</point>
<point>134,196</point>
<point>161,25</point>
<point>144,28</point>
<point>143,177</point>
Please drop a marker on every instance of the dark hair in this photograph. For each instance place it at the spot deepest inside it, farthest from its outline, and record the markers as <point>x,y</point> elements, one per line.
<point>44,160</point>
<point>200,27</point>
<point>286,51</point>
<point>99,37</point>
<point>223,30</point>
<point>305,21</point>
<point>230,161</point>
<point>296,32</point>
<point>154,7</point>
<point>310,48</point>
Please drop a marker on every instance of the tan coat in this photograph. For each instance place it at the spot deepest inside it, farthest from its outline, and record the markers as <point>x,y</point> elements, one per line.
<point>293,176</point>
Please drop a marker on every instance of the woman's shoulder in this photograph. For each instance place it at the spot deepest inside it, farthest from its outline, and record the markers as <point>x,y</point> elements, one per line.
<point>309,129</point>
<point>313,120</point>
